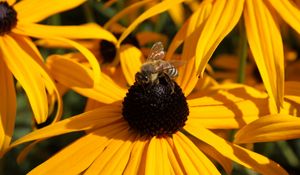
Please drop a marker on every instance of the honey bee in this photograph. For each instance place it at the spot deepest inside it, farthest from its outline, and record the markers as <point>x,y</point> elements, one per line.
<point>155,68</point>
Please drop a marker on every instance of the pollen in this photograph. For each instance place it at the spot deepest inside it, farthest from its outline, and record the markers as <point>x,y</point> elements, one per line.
<point>155,110</point>
<point>8,18</point>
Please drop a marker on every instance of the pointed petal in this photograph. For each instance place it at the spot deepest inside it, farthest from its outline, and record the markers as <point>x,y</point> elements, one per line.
<point>88,55</point>
<point>106,91</point>
<point>215,155</point>
<point>292,88</point>
<point>131,60</point>
<point>86,31</point>
<point>79,155</point>
<point>152,157</point>
<point>8,107</point>
<point>289,12</point>
<point>36,10</point>
<point>146,37</point>
<point>177,14</point>
<point>223,18</point>
<point>20,64</point>
<point>88,120</point>
<point>11,2</point>
<point>110,160</point>
<point>200,161</point>
<point>176,166</point>
<point>52,91</point>
<point>136,156</point>
<point>156,9</point>
<point>236,153</point>
<point>228,107</point>
<point>270,128</point>
<point>124,12</point>
<point>266,45</point>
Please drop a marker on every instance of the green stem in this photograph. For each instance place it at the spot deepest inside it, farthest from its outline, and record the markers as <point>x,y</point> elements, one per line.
<point>288,153</point>
<point>88,12</point>
<point>242,54</point>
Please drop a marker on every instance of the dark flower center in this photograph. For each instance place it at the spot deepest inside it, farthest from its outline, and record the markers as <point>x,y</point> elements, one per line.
<point>155,109</point>
<point>8,18</point>
<point>108,50</point>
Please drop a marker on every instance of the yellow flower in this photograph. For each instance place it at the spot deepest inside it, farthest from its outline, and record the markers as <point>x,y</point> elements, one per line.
<point>275,127</point>
<point>155,130</point>
<point>213,20</point>
<point>21,59</point>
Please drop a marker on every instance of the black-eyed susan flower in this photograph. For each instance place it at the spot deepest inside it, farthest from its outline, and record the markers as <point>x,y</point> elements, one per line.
<point>213,20</point>
<point>276,127</point>
<point>154,128</point>
<point>21,59</point>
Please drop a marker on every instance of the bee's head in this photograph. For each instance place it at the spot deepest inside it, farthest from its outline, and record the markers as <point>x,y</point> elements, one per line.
<point>143,77</point>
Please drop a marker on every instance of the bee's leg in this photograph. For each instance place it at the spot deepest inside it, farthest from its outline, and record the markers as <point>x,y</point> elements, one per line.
<point>169,81</point>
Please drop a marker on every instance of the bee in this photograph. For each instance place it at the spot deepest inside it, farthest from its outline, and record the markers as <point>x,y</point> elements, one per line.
<point>156,68</point>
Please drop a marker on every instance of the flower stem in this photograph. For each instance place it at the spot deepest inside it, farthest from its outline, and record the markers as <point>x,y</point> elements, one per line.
<point>88,12</point>
<point>242,54</point>
<point>288,153</point>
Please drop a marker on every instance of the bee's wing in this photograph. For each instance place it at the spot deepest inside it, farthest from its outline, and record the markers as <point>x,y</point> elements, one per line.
<point>177,63</point>
<point>157,52</point>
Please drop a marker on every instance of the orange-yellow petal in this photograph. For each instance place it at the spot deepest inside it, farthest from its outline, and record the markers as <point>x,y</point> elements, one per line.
<point>156,9</point>
<point>114,157</point>
<point>266,45</point>
<point>223,18</point>
<point>86,31</point>
<point>86,121</point>
<point>200,161</point>
<point>106,91</point>
<point>25,70</point>
<point>289,12</point>
<point>236,153</point>
<point>229,106</point>
<point>270,128</point>
<point>135,160</point>
<point>8,107</point>
<point>131,60</point>
<point>79,155</point>
<point>36,10</point>
<point>125,11</point>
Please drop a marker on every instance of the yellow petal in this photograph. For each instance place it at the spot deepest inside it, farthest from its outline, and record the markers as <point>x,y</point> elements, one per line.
<point>125,11</point>
<point>146,37</point>
<point>115,156</point>
<point>288,11</point>
<point>222,19</point>
<point>177,14</point>
<point>215,155</point>
<point>187,78</point>
<point>92,119</point>
<point>201,162</point>
<point>106,91</point>
<point>52,90</point>
<point>177,167</point>
<point>88,55</point>
<point>270,128</point>
<point>152,156</point>
<point>78,156</point>
<point>136,157</point>
<point>236,153</point>
<point>156,9</point>
<point>86,31</point>
<point>131,60</point>
<point>26,72</point>
<point>8,107</point>
<point>11,2</point>
<point>266,45</point>
<point>36,10</point>
<point>228,108</point>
